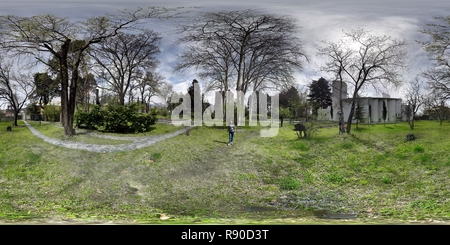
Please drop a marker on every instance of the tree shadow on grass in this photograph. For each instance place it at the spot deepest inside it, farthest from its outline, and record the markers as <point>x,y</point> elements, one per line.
<point>360,129</point>
<point>222,142</point>
<point>124,132</point>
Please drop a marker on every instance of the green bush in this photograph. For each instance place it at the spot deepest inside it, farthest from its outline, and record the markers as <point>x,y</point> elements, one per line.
<point>52,113</point>
<point>33,111</point>
<point>116,119</point>
<point>90,120</point>
<point>164,112</point>
<point>154,110</point>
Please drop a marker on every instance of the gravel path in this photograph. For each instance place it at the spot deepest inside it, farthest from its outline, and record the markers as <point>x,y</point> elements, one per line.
<point>138,142</point>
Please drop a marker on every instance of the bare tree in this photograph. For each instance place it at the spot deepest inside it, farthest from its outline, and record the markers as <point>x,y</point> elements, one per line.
<point>124,56</point>
<point>438,49</point>
<point>213,64</point>
<point>414,99</point>
<point>87,84</point>
<point>148,86</point>
<point>436,106</point>
<point>407,111</point>
<point>365,59</point>
<point>48,34</point>
<point>16,89</point>
<point>438,81</point>
<point>246,49</point>
<point>165,91</point>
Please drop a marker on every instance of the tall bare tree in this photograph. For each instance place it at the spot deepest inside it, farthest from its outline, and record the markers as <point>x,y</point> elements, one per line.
<point>15,88</point>
<point>213,64</point>
<point>87,84</point>
<point>124,56</point>
<point>362,59</point>
<point>165,91</point>
<point>148,86</point>
<point>436,106</point>
<point>48,34</point>
<point>414,99</point>
<point>246,49</point>
<point>438,48</point>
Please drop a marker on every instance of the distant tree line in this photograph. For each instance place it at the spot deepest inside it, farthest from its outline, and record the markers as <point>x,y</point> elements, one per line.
<point>113,59</point>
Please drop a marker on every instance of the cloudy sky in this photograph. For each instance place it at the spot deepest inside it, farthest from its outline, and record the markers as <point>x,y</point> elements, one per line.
<point>319,19</point>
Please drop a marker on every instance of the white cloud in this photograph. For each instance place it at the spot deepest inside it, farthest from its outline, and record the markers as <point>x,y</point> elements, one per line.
<point>181,87</point>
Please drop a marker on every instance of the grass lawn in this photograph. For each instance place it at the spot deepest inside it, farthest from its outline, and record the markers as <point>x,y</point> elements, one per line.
<point>373,172</point>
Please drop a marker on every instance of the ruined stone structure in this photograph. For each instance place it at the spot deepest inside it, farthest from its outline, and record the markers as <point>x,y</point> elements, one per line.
<point>372,106</point>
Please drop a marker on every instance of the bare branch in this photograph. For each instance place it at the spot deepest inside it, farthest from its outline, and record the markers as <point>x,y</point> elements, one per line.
<point>14,88</point>
<point>362,59</point>
<point>245,49</point>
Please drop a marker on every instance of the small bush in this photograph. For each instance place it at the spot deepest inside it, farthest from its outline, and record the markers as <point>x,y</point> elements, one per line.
<point>386,180</point>
<point>154,110</point>
<point>33,111</point>
<point>289,183</point>
<point>163,112</point>
<point>311,127</point>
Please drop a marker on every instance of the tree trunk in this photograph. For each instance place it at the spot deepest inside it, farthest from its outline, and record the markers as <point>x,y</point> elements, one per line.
<point>341,117</point>
<point>85,99</point>
<point>65,102</point>
<point>16,116</point>
<point>72,95</point>
<point>341,106</point>
<point>350,116</point>
<point>85,90</point>
<point>122,99</point>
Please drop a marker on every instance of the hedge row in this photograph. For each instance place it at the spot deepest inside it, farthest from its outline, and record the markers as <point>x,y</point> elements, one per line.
<point>116,119</point>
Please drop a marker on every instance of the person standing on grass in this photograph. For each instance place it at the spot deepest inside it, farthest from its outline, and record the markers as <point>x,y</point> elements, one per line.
<point>231,132</point>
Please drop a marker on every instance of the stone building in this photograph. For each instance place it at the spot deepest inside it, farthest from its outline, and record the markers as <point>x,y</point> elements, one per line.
<point>372,106</point>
